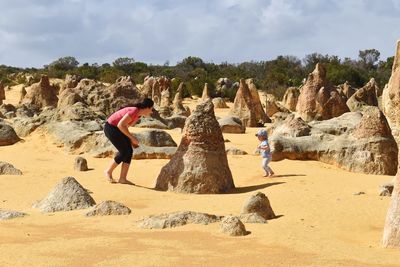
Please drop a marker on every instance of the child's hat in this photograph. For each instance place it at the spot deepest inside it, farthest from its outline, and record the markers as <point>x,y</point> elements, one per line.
<point>262,132</point>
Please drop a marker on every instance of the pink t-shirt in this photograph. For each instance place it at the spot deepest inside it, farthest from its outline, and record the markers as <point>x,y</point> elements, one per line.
<point>117,116</point>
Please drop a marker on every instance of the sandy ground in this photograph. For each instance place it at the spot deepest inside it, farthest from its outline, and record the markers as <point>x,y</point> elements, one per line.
<point>320,222</point>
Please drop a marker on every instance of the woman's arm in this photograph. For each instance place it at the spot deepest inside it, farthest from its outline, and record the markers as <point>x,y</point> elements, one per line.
<point>123,125</point>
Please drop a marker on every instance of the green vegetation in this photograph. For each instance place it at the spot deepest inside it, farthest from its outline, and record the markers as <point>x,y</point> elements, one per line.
<point>273,76</point>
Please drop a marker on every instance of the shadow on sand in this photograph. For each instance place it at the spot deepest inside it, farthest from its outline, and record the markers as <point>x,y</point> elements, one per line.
<point>245,189</point>
<point>286,175</point>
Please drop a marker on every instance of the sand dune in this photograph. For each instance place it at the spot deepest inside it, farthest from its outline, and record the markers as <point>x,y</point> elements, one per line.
<point>320,222</point>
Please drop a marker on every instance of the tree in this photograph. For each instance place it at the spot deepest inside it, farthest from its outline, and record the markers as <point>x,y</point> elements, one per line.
<point>194,62</point>
<point>123,61</point>
<point>63,64</point>
<point>124,64</point>
<point>369,57</point>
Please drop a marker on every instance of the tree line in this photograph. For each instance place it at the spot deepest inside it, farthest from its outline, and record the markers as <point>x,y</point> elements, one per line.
<point>273,76</point>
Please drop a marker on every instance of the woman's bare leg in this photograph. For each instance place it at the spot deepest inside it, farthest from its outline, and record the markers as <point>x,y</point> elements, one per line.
<point>124,173</point>
<point>108,172</point>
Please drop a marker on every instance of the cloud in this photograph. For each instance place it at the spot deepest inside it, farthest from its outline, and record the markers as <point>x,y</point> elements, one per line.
<point>36,32</point>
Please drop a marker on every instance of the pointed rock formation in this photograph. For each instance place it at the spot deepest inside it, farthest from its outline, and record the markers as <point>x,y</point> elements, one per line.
<point>260,113</point>
<point>330,104</point>
<point>373,124</point>
<point>306,104</point>
<point>165,108</point>
<point>290,98</point>
<point>243,106</point>
<point>365,96</point>
<point>346,90</point>
<point>42,94</point>
<point>165,99</point>
<point>178,107</point>
<point>67,195</point>
<point>153,86</point>
<point>391,96</point>
<point>206,93</point>
<point>200,164</point>
<point>22,94</point>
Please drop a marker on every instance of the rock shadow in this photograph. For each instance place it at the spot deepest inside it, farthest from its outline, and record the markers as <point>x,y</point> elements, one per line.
<point>246,189</point>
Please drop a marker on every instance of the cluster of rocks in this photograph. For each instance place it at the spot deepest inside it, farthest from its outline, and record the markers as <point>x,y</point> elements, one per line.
<point>256,209</point>
<point>355,141</point>
<point>69,195</point>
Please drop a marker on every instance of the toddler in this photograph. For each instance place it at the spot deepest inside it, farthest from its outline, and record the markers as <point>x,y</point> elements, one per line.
<point>265,152</point>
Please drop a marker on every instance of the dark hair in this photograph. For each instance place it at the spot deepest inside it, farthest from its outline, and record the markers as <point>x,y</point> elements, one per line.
<point>146,103</point>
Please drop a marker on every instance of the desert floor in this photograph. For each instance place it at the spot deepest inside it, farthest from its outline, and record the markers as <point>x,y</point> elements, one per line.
<point>320,221</point>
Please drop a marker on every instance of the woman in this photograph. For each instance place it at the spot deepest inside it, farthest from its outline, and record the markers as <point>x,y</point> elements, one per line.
<point>116,130</point>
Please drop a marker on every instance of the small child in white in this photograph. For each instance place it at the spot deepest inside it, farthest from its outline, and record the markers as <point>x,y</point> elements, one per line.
<point>265,152</point>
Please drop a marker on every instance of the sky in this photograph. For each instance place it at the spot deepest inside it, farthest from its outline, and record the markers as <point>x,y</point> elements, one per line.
<point>34,33</point>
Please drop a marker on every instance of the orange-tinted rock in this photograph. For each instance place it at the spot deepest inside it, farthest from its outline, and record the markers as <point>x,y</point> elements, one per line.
<point>290,98</point>
<point>42,94</point>
<point>200,164</point>
<point>391,95</point>
<point>306,104</point>
<point>244,106</point>
<point>365,96</point>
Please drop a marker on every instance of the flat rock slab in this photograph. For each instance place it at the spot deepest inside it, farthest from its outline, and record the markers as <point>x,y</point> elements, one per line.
<point>175,219</point>
<point>235,151</point>
<point>10,214</point>
<point>150,152</point>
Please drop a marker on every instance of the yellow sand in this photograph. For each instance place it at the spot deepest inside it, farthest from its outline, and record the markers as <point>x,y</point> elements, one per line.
<point>321,222</point>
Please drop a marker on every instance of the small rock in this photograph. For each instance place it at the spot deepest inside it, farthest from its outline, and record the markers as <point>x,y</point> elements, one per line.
<point>9,214</point>
<point>235,151</point>
<point>108,207</point>
<point>232,226</point>
<point>256,208</point>
<point>359,193</point>
<point>386,189</point>
<point>8,169</point>
<point>80,164</point>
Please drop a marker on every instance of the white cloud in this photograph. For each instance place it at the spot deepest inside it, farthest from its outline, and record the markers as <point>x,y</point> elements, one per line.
<point>36,32</point>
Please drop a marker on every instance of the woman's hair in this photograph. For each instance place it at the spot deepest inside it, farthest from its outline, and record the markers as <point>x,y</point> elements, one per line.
<point>146,103</point>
